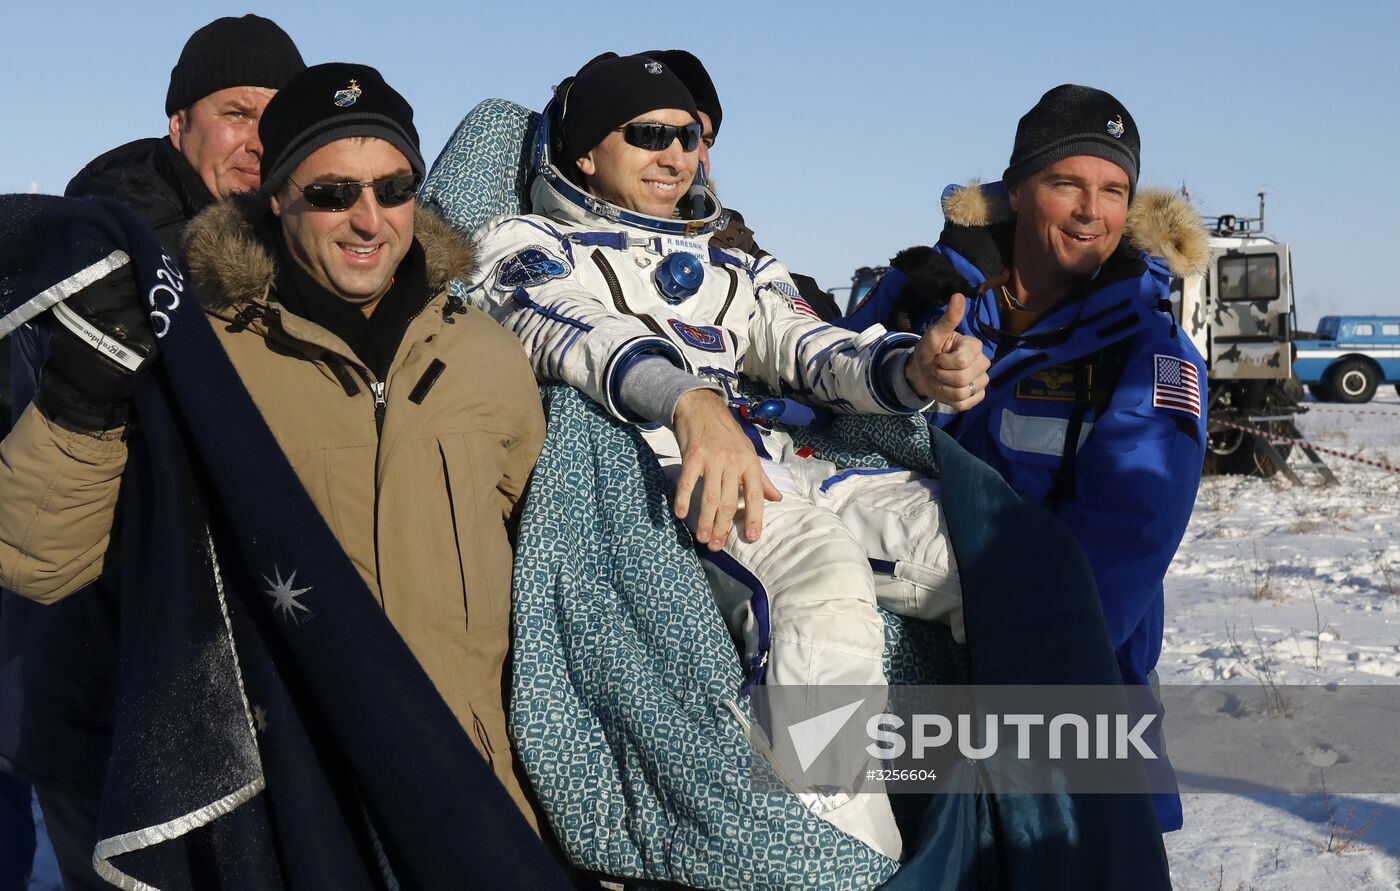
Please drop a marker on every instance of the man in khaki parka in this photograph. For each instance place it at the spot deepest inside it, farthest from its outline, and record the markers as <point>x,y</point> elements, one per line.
<point>412,421</point>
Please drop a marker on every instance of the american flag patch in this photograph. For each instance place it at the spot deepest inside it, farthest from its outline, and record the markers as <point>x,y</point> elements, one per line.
<point>794,297</point>
<point>1175,384</point>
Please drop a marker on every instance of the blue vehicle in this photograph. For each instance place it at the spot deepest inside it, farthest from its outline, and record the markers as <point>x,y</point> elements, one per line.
<point>1352,356</point>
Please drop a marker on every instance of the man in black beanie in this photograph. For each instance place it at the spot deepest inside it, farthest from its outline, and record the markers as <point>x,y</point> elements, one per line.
<point>1096,403</point>
<point>225,75</point>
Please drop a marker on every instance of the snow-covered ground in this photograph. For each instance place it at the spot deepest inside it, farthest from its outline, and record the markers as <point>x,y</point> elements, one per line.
<point>1306,581</point>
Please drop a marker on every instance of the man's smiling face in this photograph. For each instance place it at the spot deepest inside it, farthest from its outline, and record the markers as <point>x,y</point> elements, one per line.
<point>1071,215</point>
<point>639,180</point>
<point>352,253</point>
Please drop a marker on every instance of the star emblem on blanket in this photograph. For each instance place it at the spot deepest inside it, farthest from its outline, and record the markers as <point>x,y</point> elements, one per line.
<point>284,596</point>
<point>260,718</point>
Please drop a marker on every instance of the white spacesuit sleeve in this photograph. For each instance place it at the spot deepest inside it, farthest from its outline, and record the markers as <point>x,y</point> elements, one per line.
<point>528,282</point>
<point>790,345</point>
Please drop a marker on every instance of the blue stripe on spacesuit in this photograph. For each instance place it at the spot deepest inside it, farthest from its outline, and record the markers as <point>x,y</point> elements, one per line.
<point>857,471</point>
<point>758,662</point>
<point>561,352</point>
<point>522,299</point>
<point>761,265</point>
<point>552,233</point>
<point>824,352</point>
<point>721,257</point>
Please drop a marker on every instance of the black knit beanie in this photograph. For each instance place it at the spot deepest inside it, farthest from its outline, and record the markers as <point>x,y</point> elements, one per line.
<point>607,93</point>
<point>1073,120</point>
<point>232,52</point>
<point>328,102</point>
<point>697,80</point>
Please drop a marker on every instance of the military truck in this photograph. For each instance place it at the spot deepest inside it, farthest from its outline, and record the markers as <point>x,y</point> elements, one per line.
<point>1241,316</point>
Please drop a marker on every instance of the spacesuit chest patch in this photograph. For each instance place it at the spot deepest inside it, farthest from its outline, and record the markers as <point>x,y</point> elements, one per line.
<point>1051,384</point>
<point>529,267</point>
<point>701,337</point>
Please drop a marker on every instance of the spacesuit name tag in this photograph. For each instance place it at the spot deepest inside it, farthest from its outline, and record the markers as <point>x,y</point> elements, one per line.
<point>670,244</point>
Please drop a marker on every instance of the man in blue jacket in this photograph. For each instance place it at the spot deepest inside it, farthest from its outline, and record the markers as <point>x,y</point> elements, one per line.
<point>1095,405</point>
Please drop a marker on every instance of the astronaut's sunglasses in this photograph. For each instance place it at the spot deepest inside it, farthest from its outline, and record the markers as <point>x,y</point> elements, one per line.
<point>658,137</point>
<point>389,192</point>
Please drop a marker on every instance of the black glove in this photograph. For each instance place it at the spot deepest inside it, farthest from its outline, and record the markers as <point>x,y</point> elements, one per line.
<point>932,281</point>
<point>90,377</point>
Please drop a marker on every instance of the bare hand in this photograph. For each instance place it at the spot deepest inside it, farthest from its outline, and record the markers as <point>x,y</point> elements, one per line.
<point>947,365</point>
<point>715,449</point>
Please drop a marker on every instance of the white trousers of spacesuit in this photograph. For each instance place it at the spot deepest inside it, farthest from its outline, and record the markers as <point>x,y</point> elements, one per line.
<point>839,543</point>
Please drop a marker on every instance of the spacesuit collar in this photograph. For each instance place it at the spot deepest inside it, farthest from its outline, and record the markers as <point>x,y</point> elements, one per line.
<point>554,195</point>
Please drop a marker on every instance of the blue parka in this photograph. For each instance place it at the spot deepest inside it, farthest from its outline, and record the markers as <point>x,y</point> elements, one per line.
<point>1126,492</point>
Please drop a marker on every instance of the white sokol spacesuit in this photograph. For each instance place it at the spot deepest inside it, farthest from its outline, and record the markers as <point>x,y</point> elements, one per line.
<point>589,288</point>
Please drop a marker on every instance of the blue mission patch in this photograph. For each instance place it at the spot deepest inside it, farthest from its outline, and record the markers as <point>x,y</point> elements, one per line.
<point>532,266</point>
<point>701,337</point>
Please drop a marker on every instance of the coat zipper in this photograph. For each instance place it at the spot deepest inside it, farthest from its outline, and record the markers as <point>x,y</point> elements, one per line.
<point>381,403</point>
<point>380,390</point>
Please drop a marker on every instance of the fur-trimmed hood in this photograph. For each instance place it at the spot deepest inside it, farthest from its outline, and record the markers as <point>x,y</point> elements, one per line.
<point>1161,223</point>
<point>233,265</point>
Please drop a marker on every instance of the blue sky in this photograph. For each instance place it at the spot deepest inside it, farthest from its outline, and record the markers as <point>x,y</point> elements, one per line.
<point>843,121</point>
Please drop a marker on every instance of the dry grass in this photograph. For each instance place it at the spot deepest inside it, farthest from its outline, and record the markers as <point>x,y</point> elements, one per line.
<point>1215,499</point>
<point>1262,670</point>
<point>1306,525</point>
<point>1389,572</point>
<point>1261,583</point>
<point>1341,835</point>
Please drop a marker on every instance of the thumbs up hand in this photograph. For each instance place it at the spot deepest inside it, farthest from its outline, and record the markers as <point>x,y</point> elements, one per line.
<point>949,366</point>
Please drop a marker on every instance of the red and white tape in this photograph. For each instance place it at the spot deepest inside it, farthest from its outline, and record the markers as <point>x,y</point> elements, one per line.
<point>1303,442</point>
<point>1344,409</point>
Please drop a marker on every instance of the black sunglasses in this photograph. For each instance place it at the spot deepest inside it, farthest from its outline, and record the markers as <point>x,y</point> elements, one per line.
<point>658,137</point>
<point>390,192</point>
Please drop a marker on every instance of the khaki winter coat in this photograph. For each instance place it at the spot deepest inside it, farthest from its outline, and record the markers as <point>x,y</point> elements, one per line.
<point>421,506</point>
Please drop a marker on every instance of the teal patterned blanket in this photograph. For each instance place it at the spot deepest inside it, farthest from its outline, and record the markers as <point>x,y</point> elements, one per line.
<point>623,668</point>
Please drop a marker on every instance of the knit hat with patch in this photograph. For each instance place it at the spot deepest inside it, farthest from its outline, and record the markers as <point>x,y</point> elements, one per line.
<point>232,52</point>
<point>328,102</point>
<point>1073,120</point>
<point>607,93</point>
<point>697,80</point>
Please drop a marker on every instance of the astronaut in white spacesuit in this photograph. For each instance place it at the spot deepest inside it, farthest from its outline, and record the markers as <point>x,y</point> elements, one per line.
<point>614,292</point>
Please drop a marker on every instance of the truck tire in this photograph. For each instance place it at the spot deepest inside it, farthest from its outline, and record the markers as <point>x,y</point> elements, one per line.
<point>1352,381</point>
<point>1321,392</point>
<point>1236,453</point>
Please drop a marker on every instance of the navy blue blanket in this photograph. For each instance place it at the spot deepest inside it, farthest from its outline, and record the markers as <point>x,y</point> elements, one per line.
<point>271,728</point>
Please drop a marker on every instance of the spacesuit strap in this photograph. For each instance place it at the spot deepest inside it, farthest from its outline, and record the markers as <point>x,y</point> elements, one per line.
<point>1095,379</point>
<point>615,240</point>
<point>1064,489</point>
